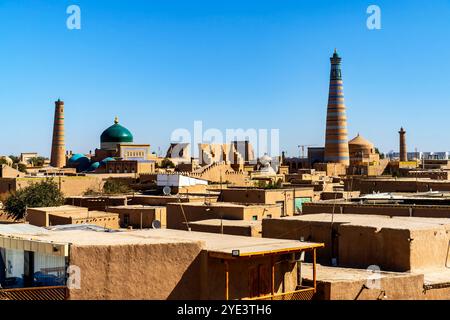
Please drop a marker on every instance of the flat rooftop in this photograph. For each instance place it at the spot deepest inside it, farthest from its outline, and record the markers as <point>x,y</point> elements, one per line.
<point>62,209</point>
<point>86,214</point>
<point>218,245</point>
<point>339,274</point>
<point>135,207</point>
<point>232,223</point>
<point>401,223</point>
<point>225,205</point>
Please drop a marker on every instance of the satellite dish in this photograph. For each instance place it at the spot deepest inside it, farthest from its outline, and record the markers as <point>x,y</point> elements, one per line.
<point>156,224</point>
<point>167,190</point>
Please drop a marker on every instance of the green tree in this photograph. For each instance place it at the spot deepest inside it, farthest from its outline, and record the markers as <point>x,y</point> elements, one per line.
<point>14,158</point>
<point>41,194</point>
<point>37,161</point>
<point>115,186</point>
<point>381,154</point>
<point>166,163</point>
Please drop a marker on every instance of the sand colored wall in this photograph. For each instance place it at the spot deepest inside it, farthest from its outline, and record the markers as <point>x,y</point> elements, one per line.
<point>110,221</point>
<point>97,203</point>
<point>347,284</point>
<point>265,196</point>
<point>149,214</point>
<point>37,217</point>
<point>163,200</point>
<point>141,272</point>
<point>248,231</point>
<point>69,185</point>
<point>400,210</point>
<point>138,272</point>
<point>371,185</point>
<point>357,245</point>
<point>177,214</point>
<point>308,230</point>
<point>362,246</point>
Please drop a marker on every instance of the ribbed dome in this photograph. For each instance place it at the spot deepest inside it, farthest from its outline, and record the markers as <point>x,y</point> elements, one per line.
<point>360,141</point>
<point>116,134</point>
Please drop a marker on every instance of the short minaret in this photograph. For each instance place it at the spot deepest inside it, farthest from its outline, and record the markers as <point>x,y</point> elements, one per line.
<point>403,152</point>
<point>336,141</point>
<point>58,158</point>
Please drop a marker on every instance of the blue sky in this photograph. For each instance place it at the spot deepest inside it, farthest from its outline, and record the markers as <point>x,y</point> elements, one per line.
<point>162,64</point>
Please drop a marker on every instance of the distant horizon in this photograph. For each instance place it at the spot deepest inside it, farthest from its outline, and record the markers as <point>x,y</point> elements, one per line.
<point>230,64</point>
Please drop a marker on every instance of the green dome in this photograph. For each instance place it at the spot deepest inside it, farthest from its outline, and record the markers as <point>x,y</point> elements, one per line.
<point>116,134</point>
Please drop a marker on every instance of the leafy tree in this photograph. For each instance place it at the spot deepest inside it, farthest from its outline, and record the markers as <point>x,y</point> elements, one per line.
<point>115,186</point>
<point>166,163</point>
<point>37,195</point>
<point>21,167</point>
<point>37,161</point>
<point>381,154</point>
<point>14,158</point>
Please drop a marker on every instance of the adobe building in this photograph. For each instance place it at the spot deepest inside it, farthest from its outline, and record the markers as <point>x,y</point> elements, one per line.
<point>290,199</point>
<point>393,208</point>
<point>162,200</point>
<point>99,203</point>
<point>409,253</point>
<point>140,216</point>
<point>179,215</point>
<point>398,244</point>
<point>8,172</point>
<point>232,227</point>
<point>374,185</point>
<point>158,264</point>
<point>363,158</point>
<point>53,216</point>
<point>69,185</point>
<point>337,283</point>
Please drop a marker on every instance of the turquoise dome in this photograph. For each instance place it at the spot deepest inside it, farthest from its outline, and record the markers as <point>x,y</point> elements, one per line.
<point>83,164</point>
<point>76,157</point>
<point>104,161</point>
<point>116,134</point>
<point>94,166</point>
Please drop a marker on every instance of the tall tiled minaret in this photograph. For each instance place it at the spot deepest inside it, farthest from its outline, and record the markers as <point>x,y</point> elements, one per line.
<point>403,152</point>
<point>336,142</point>
<point>58,156</point>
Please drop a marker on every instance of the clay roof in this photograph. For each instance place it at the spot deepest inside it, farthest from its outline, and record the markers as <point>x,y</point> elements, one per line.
<point>360,141</point>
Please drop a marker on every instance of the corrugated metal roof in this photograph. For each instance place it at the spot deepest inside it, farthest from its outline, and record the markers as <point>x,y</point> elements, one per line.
<point>21,228</point>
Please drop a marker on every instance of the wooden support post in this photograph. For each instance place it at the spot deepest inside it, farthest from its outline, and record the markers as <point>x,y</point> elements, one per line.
<point>273,275</point>
<point>314,269</point>
<point>227,278</point>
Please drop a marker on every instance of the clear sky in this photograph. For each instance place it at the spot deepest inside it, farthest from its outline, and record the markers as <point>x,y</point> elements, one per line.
<point>162,64</point>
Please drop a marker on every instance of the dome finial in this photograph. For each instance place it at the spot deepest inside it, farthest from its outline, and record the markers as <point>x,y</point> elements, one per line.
<point>116,120</point>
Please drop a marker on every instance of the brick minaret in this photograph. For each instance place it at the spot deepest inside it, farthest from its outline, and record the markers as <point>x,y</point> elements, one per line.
<point>336,142</point>
<point>58,156</point>
<point>403,153</point>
